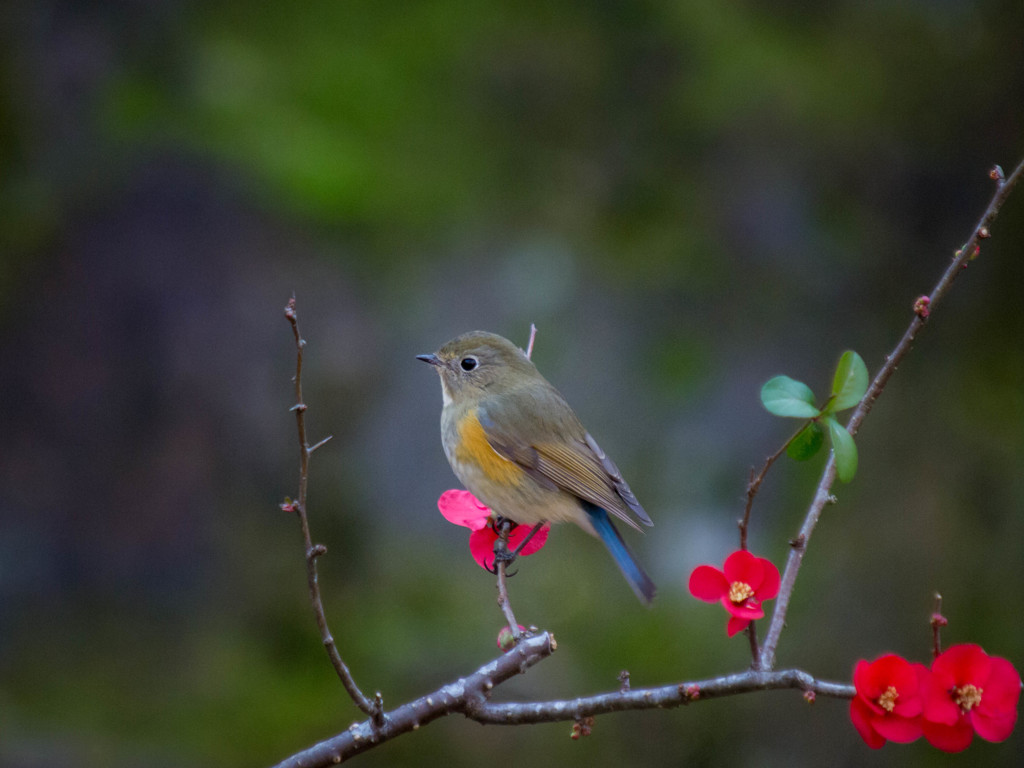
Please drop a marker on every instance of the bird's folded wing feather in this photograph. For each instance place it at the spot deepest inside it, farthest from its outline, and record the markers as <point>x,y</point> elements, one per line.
<point>577,466</point>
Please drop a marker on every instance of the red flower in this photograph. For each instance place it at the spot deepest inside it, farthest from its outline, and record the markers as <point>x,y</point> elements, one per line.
<point>888,703</point>
<point>969,692</point>
<point>463,508</point>
<point>741,586</point>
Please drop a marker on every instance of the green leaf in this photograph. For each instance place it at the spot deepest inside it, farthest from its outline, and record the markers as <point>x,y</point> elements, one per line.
<point>850,382</point>
<point>784,396</point>
<point>845,450</point>
<point>807,442</point>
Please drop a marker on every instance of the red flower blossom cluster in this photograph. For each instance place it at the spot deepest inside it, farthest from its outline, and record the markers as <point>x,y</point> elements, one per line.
<point>744,582</point>
<point>463,508</point>
<point>966,691</point>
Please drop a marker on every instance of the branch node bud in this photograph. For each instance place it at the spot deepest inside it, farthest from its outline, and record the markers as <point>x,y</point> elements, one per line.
<point>624,681</point>
<point>921,307</point>
<point>582,728</point>
<point>689,692</point>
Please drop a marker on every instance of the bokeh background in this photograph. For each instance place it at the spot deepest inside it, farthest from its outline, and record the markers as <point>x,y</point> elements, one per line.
<point>686,197</point>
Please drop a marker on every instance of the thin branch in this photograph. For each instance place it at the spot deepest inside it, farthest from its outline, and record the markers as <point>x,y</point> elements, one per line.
<point>662,697</point>
<point>469,696</point>
<point>754,485</point>
<point>755,656</point>
<point>372,708</point>
<point>505,603</point>
<point>922,309</point>
<point>500,551</point>
<point>938,621</point>
<point>533,336</point>
<point>526,539</point>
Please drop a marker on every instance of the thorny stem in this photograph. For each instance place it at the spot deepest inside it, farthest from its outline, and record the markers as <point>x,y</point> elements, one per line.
<point>502,563</point>
<point>754,485</point>
<point>822,495</point>
<point>938,621</point>
<point>529,346</point>
<point>755,656</point>
<point>374,709</point>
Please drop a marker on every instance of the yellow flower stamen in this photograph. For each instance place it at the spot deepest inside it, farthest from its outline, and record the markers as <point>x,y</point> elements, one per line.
<point>887,700</point>
<point>967,697</point>
<point>740,591</point>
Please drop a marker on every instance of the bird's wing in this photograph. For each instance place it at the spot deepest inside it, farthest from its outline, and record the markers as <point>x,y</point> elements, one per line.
<point>570,463</point>
<point>618,482</point>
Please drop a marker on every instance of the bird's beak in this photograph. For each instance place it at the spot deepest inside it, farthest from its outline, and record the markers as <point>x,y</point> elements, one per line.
<point>432,359</point>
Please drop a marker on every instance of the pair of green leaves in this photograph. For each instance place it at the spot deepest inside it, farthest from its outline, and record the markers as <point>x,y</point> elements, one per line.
<point>790,398</point>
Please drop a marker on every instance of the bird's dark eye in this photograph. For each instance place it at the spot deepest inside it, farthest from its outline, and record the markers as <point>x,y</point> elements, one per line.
<point>469,363</point>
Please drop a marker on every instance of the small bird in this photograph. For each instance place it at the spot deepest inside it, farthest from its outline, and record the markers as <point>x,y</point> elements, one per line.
<point>515,444</point>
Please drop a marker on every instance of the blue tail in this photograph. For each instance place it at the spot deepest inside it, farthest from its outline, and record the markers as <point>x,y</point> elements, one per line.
<point>638,580</point>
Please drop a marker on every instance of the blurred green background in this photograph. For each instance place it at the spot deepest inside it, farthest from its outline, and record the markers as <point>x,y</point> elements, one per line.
<point>687,198</point>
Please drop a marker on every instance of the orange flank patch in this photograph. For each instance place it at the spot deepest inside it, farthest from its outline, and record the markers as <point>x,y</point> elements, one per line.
<point>474,449</point>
